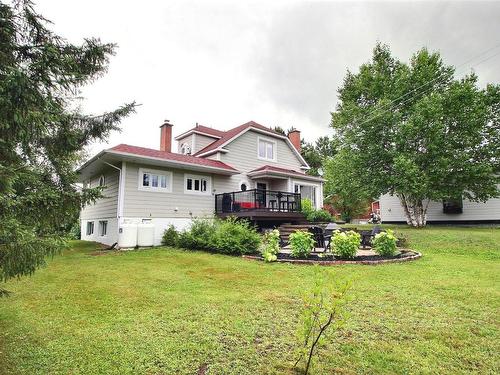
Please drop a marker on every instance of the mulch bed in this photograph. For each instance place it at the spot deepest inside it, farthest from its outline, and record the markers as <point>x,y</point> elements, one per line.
<point>404,256</point>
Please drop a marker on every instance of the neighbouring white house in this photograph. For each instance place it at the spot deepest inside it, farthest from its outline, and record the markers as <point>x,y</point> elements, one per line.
<point>460,211</point>
<point>249,171</point>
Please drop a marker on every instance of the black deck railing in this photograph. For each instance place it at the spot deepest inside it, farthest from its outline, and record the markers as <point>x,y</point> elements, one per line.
<point>257,200</point>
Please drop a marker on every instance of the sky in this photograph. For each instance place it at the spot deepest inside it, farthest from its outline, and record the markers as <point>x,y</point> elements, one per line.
<point>224,63</point>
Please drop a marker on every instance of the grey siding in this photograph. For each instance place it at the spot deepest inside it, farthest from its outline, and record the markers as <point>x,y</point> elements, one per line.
<point>107,206</point>
<point>201,141</point>
<point>391,210</point>
<point>177,204</point>
<point>196,141</point>
<point>242,155</point>
<point>188,140</point>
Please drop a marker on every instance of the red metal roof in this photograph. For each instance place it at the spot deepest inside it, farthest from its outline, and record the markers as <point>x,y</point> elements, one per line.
<point>204,129</point>
<point>271,168</point>
<point>232,133</point>
<point>188,159</point>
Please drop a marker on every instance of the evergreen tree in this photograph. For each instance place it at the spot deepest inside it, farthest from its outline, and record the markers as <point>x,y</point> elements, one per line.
<point>42,135</point>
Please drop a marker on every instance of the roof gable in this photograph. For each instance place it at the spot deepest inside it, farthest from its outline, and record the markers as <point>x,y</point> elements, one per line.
<point>204,130</point>
<point>234,133</point>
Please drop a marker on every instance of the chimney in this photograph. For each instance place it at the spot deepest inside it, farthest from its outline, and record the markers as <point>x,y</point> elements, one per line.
<point>166,137</point>
<point>294,137</point>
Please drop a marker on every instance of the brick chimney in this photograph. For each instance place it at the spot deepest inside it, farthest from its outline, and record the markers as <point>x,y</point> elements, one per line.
<point>166,136</point>
<point>294,137</point>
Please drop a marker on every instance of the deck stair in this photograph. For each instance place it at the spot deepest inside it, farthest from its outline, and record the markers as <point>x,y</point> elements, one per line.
<point>287,229</point>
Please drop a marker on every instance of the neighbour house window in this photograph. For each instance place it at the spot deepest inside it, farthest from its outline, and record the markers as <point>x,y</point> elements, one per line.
<point>243,187</point>
<point>151,180</point>
<point>102,181</point>
<point>103,227</point>
<point>197,184</point>
<point>266,149</point>
<point>90,228</point>
<point>453,206</point>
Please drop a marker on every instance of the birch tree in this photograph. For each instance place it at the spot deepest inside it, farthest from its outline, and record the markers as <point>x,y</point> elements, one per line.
<point>418,132</point>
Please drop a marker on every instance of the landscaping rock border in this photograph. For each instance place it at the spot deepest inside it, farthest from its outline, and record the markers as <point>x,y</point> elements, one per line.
<point>414,256</point>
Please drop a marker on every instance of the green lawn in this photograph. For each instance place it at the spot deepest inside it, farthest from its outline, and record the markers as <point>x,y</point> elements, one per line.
<point>167,311</point>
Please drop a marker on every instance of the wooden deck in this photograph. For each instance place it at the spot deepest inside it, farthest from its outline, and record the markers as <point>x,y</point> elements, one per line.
<point>266,215</point>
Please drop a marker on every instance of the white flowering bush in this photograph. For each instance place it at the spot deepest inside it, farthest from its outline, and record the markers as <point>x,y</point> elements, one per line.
<point>384,243</point>
<point>271,246</point>
<point>345,244</point>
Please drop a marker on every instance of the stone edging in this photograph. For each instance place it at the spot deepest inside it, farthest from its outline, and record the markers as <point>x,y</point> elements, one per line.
<point>339,262</point>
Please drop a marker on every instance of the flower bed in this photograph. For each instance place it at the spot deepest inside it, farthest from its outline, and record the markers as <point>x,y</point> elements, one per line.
<point>404,255</point>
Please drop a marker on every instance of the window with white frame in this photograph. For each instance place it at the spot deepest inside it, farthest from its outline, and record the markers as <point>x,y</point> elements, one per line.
<point>153,180</point>
<point>90,228</point>
<point>102,181</point>
<point>186,149</point>
<point>266,149</point>
<point>196,184</point>
<point>103,227</point>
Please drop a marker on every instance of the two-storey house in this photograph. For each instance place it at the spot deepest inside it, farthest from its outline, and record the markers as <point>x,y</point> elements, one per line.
<point>249,171</point>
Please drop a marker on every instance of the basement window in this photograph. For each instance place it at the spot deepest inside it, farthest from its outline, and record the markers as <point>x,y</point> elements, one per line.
<point>90,228</point>
<point>103,228</point>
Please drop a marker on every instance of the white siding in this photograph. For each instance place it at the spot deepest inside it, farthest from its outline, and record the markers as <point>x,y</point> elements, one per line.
<point>391,210</point>
<point>105,207</point>
<point>111,234</point>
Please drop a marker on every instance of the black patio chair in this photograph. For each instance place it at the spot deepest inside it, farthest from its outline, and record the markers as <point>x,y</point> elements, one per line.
<point>320,238</point>
<point>368,236</point>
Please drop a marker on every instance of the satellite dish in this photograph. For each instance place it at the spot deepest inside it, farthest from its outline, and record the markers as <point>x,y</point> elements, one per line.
<point>320,172</point>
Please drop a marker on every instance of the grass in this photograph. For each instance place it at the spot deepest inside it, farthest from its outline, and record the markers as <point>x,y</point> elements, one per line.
<point>166,311</point>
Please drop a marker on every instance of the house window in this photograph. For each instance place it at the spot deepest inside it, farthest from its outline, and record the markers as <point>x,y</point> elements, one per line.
<point>266,149</point>
<point>196,184</point>
<point>151,180</point>
<point>243,187</point>
<point>103,227</point>
<point>90,228</point>
<point>185,149</point>
<point>453,206</point>
<point>102,181</point>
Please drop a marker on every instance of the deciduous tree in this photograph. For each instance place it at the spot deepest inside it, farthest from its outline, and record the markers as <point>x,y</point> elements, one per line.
<point>417,131</point>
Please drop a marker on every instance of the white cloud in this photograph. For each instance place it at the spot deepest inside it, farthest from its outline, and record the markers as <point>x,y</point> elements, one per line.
<point>222,64</point>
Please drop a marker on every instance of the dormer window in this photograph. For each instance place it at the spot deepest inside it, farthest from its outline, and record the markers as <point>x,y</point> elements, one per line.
<point>185,149</point>
<point>266,149</point>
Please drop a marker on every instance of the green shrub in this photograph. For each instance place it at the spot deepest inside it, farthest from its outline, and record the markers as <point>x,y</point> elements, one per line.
<point>199,236</point>
<point>271,245</point>
<point>235,237</point>
<point>312,214</point>
<point>170,236</point>
<point>345,245</point>
<point>302,243</point>
<point>384,243</point>
<point>320,216</point>
<point>306,207</point>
